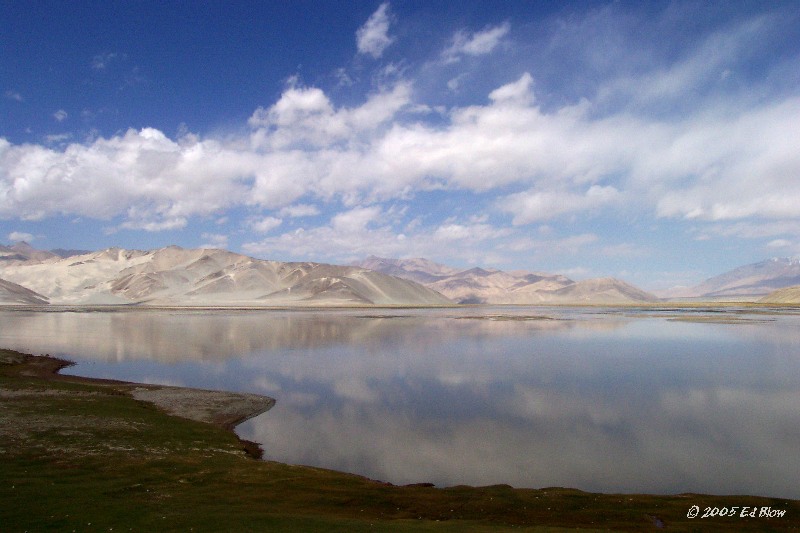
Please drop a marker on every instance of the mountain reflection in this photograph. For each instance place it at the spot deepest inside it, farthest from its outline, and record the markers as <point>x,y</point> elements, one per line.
<point>178,336</point>
<point>592,399</point>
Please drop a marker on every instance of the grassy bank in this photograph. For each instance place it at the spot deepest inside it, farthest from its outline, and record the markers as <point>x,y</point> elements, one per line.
<point>82,454</point>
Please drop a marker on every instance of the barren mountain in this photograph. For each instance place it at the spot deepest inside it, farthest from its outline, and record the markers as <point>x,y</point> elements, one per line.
<point>177,276</point>
<point>11,293</point>
<point>601,291</point>
<point>478,285</point>
<point>418,269</point>
<point>756,279</point>
<point>23,252</point>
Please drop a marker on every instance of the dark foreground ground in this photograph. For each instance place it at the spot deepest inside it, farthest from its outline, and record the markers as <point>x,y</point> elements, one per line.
<point>84,455</point>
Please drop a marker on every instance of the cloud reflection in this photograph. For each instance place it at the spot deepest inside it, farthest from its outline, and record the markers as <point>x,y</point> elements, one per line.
<point>603,402</point>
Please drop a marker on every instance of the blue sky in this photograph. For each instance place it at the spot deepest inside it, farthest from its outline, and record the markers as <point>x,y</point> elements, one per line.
<point>657,142</point>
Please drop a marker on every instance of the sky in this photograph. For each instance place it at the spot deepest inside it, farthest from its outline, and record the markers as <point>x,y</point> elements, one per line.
<point>656,142</point>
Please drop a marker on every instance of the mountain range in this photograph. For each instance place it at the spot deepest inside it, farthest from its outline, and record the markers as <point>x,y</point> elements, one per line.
<point>490,286</point>
<point>178,276</point>
<point>746,282</point>
<point>215,277</point>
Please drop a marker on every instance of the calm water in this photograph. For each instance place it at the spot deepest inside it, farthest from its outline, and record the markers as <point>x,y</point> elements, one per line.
<point>612,401</point>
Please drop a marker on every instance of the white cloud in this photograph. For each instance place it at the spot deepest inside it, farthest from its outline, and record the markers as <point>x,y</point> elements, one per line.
<point>535,206</point>
<point>735,160</point>
<point>518,93</point>
<point>305,115</point>
<point>18,236</point>
<point>214,240</point>
<point>779,243</point>
<point>350,235</point>
<point>356,220</point>
<point>60,115</point>
<point>265,224</point>
<point>473,232</point>
<point>755,229</point>
<point>373,37</point>
<point>356,233</point>
<point>475,44</point>
<point>299,210</point>
<point>718,166</point>
<point>152,219</point>
<point>158,183</point>
<point>737,167</point>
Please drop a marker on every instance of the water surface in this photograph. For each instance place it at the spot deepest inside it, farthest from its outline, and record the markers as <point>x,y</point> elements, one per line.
<point>663,401</point>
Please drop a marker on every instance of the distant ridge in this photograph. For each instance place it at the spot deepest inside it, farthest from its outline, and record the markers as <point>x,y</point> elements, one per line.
<point>491,286</point>
<point>748,281</point>
<point>195,277</point>
<point>417,269</point>
<point>22,251</point>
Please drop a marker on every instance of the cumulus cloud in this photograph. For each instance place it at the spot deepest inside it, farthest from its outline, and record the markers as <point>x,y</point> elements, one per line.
<point>60,115</point>
<point>718,166</point>
<point>373,37</point>
<point>733,160</point>
<point>265,224</point>
<point>155,181</point>
<point>305,116</point>
<point>475,44</point>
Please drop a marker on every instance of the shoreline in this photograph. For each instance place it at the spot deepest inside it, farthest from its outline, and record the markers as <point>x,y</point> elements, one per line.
<point>662,305</point>
<point>78,451</point>
<point>220,408</point>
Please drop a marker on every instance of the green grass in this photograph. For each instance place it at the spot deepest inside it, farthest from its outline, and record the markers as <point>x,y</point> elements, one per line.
<point>84,456</point>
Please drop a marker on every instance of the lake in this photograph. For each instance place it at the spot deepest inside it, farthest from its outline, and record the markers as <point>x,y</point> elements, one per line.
<point>612,400</point>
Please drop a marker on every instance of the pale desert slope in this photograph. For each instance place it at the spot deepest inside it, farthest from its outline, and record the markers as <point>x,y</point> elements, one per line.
<point>787,295</point>
<point>177,276</point>
<point>490,286</point>
<point>11,293</point>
